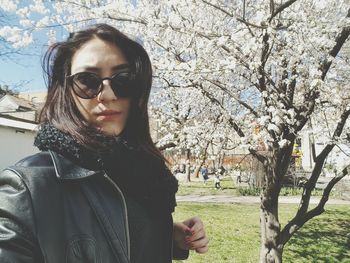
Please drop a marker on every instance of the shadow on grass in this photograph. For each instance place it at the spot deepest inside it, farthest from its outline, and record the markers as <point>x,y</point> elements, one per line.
<point>208,187</point>
<point>228,187</point>
<point>323,239</point>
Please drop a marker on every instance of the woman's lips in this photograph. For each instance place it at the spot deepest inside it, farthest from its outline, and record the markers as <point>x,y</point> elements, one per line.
<point>108,115</point>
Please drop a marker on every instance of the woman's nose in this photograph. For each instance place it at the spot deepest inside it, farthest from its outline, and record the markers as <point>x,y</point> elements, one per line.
<point>106,92</point>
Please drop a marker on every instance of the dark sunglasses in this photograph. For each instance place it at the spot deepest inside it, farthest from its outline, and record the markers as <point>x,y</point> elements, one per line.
<point>88,85</point>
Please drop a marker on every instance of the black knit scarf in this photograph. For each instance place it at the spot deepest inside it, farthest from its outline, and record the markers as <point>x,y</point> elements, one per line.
<point>138,173</point>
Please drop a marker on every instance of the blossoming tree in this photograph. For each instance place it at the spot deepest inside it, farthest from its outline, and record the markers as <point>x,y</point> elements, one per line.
<point>273,65</point>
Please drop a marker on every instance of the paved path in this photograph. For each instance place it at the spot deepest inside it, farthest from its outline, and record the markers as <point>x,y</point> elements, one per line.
<point>251,199</point>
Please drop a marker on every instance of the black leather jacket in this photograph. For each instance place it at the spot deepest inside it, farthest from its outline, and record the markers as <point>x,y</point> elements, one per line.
<point>40,222</point>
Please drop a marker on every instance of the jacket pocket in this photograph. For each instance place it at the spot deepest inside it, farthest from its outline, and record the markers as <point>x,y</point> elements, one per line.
<point>82,250</point>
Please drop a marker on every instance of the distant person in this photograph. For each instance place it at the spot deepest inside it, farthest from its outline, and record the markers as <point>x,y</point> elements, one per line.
<point>239,179</point>
<point>237,174</point>
<point>222,170</point>
<point>217,182</point>
<point>176,170</point>
<point>204,172</point>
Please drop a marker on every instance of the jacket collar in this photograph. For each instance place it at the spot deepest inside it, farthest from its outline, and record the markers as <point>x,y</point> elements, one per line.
<point>67,170</point>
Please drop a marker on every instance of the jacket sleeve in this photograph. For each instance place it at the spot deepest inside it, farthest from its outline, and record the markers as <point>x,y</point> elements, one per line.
<point>178,253</point>
<point>16,220</point>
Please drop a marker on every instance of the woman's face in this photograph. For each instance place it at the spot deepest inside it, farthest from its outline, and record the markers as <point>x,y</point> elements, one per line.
<point>107,112</point>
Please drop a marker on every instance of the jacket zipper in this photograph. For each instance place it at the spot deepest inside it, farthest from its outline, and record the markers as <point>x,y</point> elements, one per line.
<point>125,211</point>
<point>172,243</point>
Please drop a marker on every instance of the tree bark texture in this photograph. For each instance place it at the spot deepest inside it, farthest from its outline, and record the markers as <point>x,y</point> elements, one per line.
<point>270,251</point>
<point>188,165</point>
<point>276,167</point>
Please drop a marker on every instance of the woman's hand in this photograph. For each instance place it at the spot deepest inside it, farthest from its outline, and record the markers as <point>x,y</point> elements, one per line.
<point>190,234</point>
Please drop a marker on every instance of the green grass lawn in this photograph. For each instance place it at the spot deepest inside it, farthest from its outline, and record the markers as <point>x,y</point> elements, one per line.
<point>229,187</point>
<point>234,234</point>
<point>199,188</point>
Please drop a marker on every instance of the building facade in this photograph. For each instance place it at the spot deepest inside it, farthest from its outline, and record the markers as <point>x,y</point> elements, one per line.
<point>16,140</point>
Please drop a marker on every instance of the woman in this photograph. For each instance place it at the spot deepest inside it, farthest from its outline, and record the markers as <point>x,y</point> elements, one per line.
<point>100,190</point>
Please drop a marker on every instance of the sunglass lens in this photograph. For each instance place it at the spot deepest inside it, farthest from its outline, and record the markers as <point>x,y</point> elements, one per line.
<point>122,85</point>
<point>87,84</point>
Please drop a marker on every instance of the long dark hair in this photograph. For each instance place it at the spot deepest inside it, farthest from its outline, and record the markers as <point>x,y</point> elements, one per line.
<point>60,109</point>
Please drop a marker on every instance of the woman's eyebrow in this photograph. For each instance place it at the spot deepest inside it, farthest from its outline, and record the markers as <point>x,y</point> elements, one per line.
<point>98,69</point>
<point>121,66</point>
<point>88,68</point>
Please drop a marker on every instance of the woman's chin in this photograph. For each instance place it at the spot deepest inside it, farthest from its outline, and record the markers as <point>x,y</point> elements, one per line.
<point>109,131</point>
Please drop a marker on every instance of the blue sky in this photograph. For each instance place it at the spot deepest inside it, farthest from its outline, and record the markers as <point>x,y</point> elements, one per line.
<point>23,72</point>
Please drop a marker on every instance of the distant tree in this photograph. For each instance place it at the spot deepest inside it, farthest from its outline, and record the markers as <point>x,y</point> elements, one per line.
<point>4,90</point>
<point>187,126</point>
<point>7,47</point>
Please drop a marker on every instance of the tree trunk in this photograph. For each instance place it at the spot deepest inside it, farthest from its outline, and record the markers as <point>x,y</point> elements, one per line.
<point>201,162</point>
<point>275,168</point>
<point>271,250</point>
<point>188,165</point>
<point>196,171</point>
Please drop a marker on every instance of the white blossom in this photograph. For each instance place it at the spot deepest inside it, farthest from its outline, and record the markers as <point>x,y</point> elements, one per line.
<point>283,143</point>
<point>8,5</point>
<point>207,64</point>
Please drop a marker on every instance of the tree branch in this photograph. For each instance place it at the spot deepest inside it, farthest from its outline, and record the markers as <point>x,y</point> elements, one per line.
<point>218,8</point>
<point>304,112</point>
<point>219,85</point>
<point>280,8</point>
<point>127,20</point>
<point>218,103</point>
<point>261,158</point>
<point>297,222</point>
<point>242,20</point>
<point>263,59</point>
<point>167,146</point>
<point>291,86</point>
<point>236,128</point>
<point>319,162</point>
<point>340,40</point>
<point>302,216</point>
